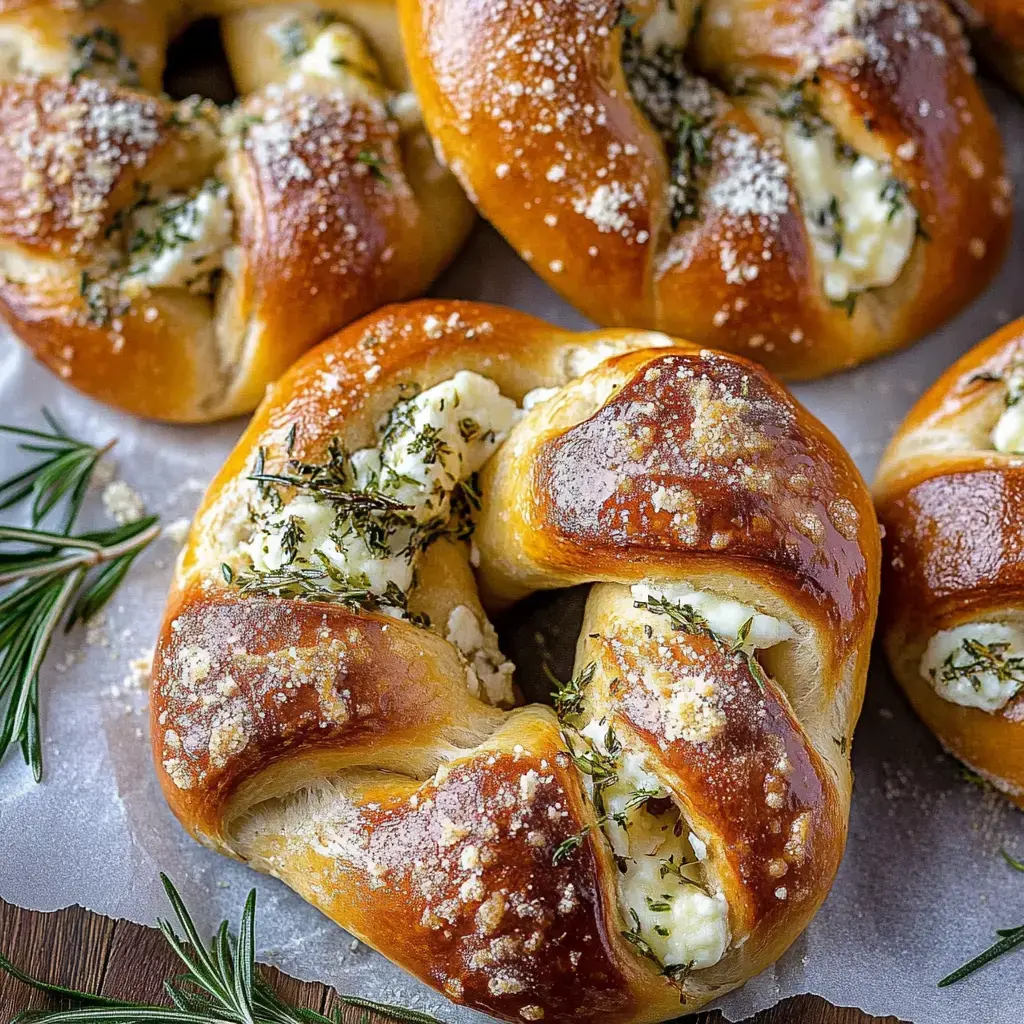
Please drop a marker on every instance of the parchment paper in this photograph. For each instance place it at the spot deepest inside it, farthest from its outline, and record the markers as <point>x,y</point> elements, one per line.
<point>923,885</point>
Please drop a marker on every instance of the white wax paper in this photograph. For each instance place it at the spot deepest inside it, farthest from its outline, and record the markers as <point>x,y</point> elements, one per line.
<point>923,885</point>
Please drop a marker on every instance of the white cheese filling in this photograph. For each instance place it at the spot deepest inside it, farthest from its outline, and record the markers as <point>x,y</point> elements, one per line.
<point>668,25</point>
<point>538,396</point>
<point>662,892</point>
<point>488,672</point>
<point>723,615</point>
<point>859,218</point>
<point>430,447</point>
<point>338,55</point>
<point>979,665</point>
<point>1008,433</point>
<point>180,240</point>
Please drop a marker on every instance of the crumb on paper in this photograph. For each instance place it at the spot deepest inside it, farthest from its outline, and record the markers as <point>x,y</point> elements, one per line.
<point>139,672</point>
<point>177,530</point>
<point>123,504</point>
<point>96,634</point>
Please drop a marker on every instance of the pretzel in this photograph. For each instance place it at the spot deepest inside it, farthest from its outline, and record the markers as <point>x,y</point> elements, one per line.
<point>949,494</point>
<point>345,722</point>
<point>172,259</point>
<point>997,28</point>
<point>809,184</point>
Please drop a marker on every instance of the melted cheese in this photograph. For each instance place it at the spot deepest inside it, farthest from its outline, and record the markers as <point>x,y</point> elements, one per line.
<point>429,445</point>
<point>861,226</point>
<point>665,24</point>
<point>489,673</point>
<point>179,241</point>
<point>403,468</point>
<point>680,917</point>
<point>1008,434</point>
<point>959,675</point>
<point>339,55</point>
<point>723,616</point>
<point>538,396</point>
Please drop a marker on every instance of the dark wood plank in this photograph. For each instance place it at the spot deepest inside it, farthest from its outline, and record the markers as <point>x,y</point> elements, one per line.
<point>86,951</point>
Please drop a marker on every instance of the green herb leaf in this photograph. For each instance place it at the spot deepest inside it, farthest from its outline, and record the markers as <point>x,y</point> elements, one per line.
<point>50,576</point>
<point>222,985</point>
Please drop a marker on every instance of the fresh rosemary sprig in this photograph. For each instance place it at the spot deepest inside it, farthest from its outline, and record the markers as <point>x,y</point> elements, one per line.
<point>1007,940</point>
<point>50,576</point>
<point>221,985</point>
<point>63,471</point>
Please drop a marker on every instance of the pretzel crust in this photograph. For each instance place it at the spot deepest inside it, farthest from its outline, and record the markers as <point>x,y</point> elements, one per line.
<point>997,27</point>
<point>341,751</point>
<point>320,237</point>
<point>950,508</point>
<point>530,106</point>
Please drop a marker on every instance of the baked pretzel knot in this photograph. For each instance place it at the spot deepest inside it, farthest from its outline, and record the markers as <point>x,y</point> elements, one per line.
<point>808,182</point>
<point>330,703</point>
<point>174,258</point>
<point>950,494</point>
<point>997,28</point>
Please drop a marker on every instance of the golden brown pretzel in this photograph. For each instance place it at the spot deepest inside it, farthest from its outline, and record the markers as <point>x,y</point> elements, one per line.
<point>345,736</point>
<point>949,493</point>
<point>174,258</point>
<point>831,189</point>
<point>997,27</point>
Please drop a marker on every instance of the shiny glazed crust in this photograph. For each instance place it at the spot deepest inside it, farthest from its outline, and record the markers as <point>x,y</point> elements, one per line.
<point>950,506</point>
<point>530,106</point>
<point>335,210</point>
<point>343,753</point>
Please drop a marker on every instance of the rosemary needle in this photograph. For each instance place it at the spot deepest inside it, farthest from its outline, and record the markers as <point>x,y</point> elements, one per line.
<point>221,985</point>
<point>50,576</point>
<point>1008,939</point>
<point>1011,938</point>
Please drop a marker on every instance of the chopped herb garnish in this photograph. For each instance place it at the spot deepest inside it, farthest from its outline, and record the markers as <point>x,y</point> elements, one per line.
<point>687,619</point>
<point>567,698</point>
<point>972,659</point>
<point>796,106</point>
<point>292,39</point>
<point>895,194</point>
<point>565,849</point>
<point>102,52</point>
<point>375,162</point>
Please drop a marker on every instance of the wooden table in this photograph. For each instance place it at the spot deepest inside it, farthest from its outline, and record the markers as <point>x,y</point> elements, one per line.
<point>74,947</point>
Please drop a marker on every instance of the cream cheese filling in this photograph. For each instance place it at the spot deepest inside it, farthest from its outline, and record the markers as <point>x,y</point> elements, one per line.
<point>859,218</point>
<point>977,665</point>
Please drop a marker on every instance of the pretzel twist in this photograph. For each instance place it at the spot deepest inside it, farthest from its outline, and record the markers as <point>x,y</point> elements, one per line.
<point>356,754</point>
<point>997,28</point>
<point>174,258</point>
<point>809,183</point>
<point>949,494</point>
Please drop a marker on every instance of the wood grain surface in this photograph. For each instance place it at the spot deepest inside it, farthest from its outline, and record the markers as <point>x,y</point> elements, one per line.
<point>86,951</point>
